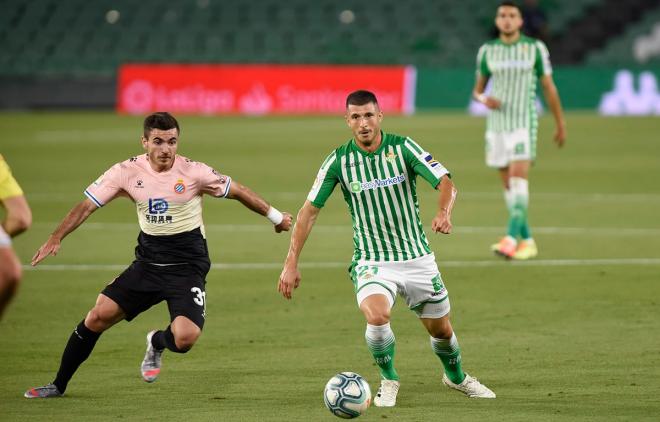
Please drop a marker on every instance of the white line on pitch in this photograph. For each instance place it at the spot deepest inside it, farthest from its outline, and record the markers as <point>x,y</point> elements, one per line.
<point>328,265</point>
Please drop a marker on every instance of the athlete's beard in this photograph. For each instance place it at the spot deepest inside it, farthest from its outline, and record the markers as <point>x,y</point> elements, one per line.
<point>510,33</point>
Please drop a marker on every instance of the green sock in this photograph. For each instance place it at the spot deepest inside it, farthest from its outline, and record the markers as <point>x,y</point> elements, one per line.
<point>517,220</point>
<point>450,354</point>
<point>381,344</point>
<point>524,230</point>
<point>517,201</point>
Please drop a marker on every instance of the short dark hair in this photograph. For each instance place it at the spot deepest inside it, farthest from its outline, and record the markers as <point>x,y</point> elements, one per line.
<point>361,97</point>
<point>509,4</point>
<point>160,120</point>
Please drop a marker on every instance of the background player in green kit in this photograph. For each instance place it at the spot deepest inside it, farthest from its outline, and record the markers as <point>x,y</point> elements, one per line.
<point>377,174</point>
<point>514,63</point>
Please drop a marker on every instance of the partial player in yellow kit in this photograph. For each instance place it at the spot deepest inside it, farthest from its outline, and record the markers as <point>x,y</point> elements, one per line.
<point>17,219</point>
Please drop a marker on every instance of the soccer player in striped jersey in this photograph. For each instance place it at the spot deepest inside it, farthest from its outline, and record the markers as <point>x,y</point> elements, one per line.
<point>171,259</point>
<point>377,173</point>
<point>514,64</point>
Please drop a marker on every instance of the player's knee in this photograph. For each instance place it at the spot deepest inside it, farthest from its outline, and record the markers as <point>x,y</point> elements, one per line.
<point>99,319</point>
<point>94,320</point>
<point>23,222</point>
<point>441,330</point>
<point>19,223</point>
<point>379,319</point>
<point>442,333</point>
<point>186,340</point>
<point>377,316</point>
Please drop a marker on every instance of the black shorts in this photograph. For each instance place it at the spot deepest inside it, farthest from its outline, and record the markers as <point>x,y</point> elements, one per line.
<point>143,285</point>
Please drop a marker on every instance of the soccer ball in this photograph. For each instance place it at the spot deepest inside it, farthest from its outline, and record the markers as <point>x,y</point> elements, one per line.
<point>347,395</point>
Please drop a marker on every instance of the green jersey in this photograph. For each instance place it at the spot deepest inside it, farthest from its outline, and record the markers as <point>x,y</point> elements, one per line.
<point>380,190</point>
<point>514,70</point>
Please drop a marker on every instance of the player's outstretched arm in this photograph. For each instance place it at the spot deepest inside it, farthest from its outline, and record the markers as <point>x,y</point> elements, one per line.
<point>478,94</point>
<point>552,97</point>
<point>281,221</point>
<point>73,219</point>
<point>290,276</point>
<point>442,221</point>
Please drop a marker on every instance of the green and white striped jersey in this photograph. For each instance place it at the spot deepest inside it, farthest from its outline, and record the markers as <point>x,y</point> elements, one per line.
<point>380,190</point>
<point>514,70</point>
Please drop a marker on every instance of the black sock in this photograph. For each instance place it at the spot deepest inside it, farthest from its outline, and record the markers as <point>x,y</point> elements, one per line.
<point>77,350</point>
<point>164,339</point>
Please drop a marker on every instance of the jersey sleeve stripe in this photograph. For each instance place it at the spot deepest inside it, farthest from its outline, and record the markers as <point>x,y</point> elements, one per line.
<point>93,199</point>
<point>321,176</point>
<point>413,146</point>
<point>329,160</point>
<point>480,58</point>
<point>545,57</point>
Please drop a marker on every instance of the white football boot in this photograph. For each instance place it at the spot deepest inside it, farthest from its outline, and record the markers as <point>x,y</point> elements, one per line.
<point>470,386</point>
<point>386,396</point>
<point>151,364</point>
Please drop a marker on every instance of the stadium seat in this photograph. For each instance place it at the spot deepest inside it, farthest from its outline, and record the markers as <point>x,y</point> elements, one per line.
<point>37,38</point>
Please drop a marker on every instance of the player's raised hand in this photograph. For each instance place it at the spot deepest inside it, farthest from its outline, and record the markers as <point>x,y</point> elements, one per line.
<point>289,280</point>
<point>441,223</point>
<point>286,223</point>
<point>51,247</point>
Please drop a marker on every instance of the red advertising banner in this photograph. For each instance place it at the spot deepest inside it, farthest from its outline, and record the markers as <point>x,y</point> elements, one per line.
<point>260,89</point>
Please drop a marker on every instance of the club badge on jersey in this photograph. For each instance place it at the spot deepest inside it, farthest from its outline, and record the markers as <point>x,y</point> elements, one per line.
<point>179,187</point>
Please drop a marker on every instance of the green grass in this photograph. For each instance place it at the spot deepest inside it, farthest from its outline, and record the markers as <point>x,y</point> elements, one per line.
<point>566,337</point>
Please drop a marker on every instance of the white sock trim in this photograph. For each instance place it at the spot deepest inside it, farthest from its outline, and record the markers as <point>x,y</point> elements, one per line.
<point>508,198</point>
<point>519,189</point>
<point>444,346</point>
<point>379,332</point>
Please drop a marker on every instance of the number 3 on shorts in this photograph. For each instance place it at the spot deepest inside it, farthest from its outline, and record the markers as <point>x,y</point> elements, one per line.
<point>200,297</point>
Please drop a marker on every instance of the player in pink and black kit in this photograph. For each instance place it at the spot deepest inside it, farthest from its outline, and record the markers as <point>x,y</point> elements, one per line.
<point>171,258</point>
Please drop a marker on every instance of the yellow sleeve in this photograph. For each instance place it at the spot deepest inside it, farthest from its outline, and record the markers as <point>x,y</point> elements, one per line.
<point>8,185</point>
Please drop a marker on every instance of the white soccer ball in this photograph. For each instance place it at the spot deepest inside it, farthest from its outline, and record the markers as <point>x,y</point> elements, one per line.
<point>347,395</point>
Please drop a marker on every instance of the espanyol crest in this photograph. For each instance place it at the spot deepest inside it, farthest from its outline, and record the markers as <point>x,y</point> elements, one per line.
<point>179,187</point>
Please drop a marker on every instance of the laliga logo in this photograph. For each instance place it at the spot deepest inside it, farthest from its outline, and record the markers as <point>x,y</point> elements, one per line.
<point>158,206</point>
<point>625,100</point>
<point>138,96</point>
<point>256,102</point>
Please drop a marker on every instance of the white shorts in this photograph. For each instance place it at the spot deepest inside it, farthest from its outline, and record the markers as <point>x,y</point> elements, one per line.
<point>417,280</point>
<point>5,240</point>
<point>504,147</point>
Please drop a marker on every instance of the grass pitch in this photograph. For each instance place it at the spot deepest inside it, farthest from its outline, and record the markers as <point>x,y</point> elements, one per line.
<point>574,334</point>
